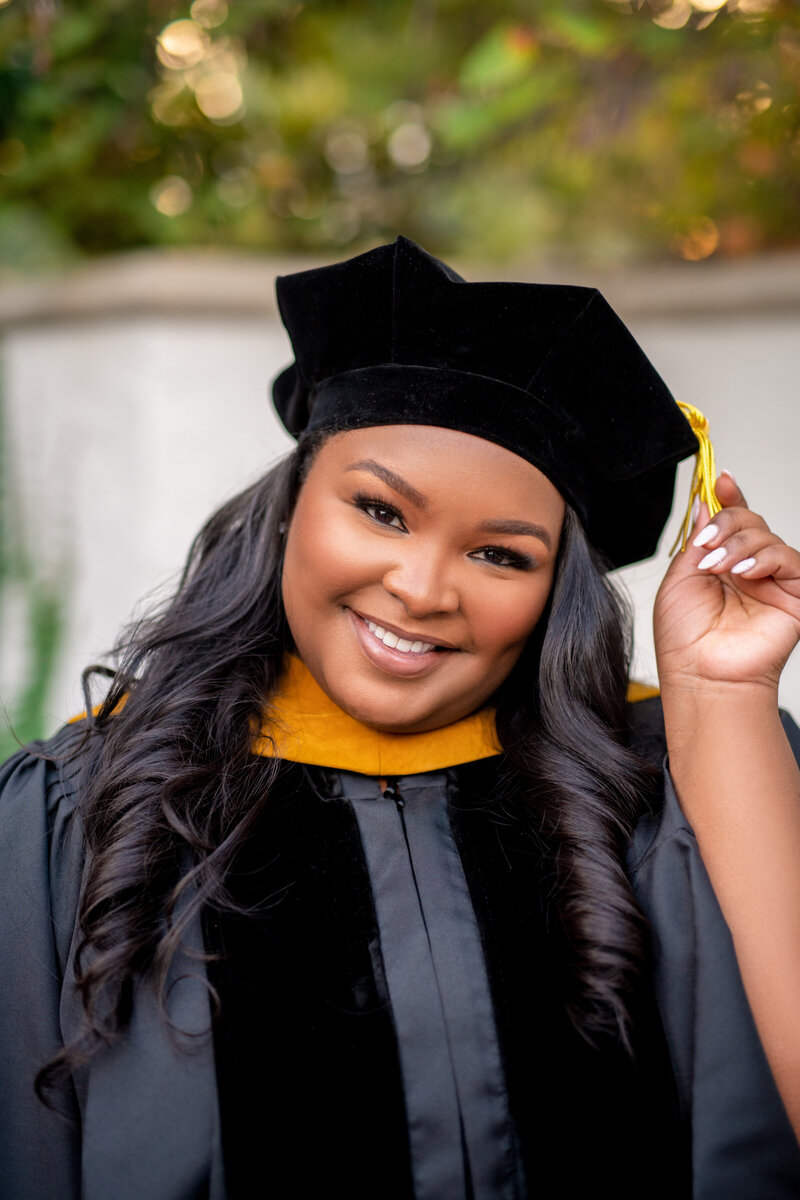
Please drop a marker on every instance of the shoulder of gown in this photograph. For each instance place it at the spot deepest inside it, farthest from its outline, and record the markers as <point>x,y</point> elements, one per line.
<point>41,859</point>
<point>143,1120</point>
<point>742,1142</point>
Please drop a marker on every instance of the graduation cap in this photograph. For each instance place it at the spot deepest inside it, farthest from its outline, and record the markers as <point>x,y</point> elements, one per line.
<point>549,371</point>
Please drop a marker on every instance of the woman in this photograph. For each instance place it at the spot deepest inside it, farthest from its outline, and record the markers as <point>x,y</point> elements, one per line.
<point>369,791</point>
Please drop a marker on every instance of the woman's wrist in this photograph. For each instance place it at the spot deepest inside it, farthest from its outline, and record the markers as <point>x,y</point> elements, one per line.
<point>690,702</point>
<point>718,731</point>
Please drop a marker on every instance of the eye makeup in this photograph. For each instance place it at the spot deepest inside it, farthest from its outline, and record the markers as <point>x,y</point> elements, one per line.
<point>388,515</point>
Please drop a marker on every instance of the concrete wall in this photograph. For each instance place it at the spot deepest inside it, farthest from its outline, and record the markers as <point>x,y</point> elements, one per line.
<point>135,396</point>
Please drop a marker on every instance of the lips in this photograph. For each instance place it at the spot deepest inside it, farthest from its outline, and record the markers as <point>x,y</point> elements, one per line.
<point>396,651</point>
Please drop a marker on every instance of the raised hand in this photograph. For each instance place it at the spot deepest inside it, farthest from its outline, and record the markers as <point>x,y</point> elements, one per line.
<point>728,610</point>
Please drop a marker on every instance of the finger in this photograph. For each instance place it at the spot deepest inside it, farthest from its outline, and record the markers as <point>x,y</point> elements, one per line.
<point>728,492</point>
<point>751,545</point>
<point>776,560</point>
<point>725,525</point>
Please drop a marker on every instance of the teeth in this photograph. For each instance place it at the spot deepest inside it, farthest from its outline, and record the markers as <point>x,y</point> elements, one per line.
<point>396,643</point>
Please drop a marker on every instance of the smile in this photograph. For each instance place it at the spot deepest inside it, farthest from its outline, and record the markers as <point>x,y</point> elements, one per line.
<point>397,643</point>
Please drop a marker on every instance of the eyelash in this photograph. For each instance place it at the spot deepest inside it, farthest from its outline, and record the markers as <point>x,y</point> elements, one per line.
<point>365,503</point>
<point>371,505</point>
<point>518,562</point>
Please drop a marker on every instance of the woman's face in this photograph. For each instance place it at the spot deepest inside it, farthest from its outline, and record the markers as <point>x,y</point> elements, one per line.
<point>418,561</point>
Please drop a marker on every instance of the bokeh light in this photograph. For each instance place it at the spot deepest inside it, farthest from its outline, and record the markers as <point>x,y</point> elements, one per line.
<point>756,7</point>
<point>346,149</point>
<point>409,146</point>
<point>674,17</point>
<point>219,96</point>
<point>699,240</point>
<point>171,196</point>
<point>209,13</point>
<point>181,44</point>
<point>167,102</point>
<point>588,132</point>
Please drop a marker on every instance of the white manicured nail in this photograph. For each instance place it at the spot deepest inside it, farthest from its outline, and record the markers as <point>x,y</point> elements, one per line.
<point>713,559</point>
<point>695,510</point>
<point>743,566</point>
<point>705,535</point>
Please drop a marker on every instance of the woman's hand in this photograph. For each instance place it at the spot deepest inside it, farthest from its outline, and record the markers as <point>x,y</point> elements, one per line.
<point>723,633</point>
<point>736,619</point>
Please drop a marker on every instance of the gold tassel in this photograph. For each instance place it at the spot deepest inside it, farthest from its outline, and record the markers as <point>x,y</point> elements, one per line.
<point>705,473</point>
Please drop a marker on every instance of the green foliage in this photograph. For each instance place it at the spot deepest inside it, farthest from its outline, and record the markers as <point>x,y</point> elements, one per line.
<point>26,718</point>
<point>604,129</point>
<point>36,623</point>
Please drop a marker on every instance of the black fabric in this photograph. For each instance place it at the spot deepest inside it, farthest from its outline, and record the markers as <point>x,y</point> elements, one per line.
<point>588,1119</point>
<point>305,1046</point>
<point>40,857</point>
<point>308,1072</point>
<point>306,1056</point>
<point>548,371</point>
<point>460,1125</point>
<point>142,1121</point>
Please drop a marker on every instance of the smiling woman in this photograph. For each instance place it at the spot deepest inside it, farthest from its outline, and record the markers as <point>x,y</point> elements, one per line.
<point>397,605</point>
<point>368,875</point>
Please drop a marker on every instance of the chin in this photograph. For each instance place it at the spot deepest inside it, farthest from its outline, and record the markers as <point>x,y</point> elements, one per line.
<point>393,713</point>
<point>385,717</point>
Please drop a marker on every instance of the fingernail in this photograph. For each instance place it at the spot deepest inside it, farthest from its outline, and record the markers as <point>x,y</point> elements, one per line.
<point>730,475</point>
<point>695,510</point>
<point>743,566</point>
<point>713,559</point>
<point>705,535</point>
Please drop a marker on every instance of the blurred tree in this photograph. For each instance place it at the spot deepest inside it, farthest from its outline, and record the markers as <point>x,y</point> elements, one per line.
<point>30,625</point>
<point>599,129</point>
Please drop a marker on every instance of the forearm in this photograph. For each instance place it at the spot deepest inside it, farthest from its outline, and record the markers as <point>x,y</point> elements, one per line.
<point>739,785</point>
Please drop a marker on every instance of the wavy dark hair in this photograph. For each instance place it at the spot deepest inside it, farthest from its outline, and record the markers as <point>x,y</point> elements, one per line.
<point>171,789</point>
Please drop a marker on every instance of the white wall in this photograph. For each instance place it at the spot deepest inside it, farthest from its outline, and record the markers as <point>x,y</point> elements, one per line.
<point>136,400</point>
<point>127,433</point>
<point>742,371</point>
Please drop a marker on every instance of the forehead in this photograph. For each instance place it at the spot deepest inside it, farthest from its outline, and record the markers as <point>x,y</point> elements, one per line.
<point>441,462</point>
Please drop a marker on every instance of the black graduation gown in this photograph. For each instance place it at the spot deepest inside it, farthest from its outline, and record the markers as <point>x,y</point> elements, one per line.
<point>305,1059</point>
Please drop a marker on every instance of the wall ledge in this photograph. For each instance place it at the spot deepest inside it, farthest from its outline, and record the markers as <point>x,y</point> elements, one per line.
<point>228,285</point>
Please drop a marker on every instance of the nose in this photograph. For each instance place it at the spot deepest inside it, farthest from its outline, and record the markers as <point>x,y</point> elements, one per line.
<point>423,584</point>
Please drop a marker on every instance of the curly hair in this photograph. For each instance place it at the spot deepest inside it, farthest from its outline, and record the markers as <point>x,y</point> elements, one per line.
<point>171,789</point>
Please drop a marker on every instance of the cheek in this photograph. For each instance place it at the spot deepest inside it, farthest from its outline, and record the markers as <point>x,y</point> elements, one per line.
<point>509,620</point>
<point>322,558</point>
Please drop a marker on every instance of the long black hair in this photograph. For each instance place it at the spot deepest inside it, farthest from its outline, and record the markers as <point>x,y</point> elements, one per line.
<point>171,789</point>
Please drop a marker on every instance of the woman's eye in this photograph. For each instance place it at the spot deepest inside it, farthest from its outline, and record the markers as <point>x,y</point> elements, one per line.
<point>381,512</point>
<point>498,557</point>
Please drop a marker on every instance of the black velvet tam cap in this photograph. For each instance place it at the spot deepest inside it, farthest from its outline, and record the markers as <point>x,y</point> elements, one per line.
<point>395,337</point>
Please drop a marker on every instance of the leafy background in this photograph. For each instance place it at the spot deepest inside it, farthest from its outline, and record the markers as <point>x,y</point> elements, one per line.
<point>606,130</point>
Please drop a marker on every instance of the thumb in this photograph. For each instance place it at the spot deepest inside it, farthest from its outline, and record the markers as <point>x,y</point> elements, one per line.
<point>728,491</point>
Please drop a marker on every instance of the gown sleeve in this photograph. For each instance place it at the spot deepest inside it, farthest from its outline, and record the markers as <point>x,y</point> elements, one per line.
<point>143,1121</point>
<point>40,869</point>
<point>742,1142</point>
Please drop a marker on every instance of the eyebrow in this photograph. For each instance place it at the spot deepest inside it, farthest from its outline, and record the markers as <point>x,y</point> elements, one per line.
<point>404,488</point>
<point>395,481</point>
<point>523,528</point>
